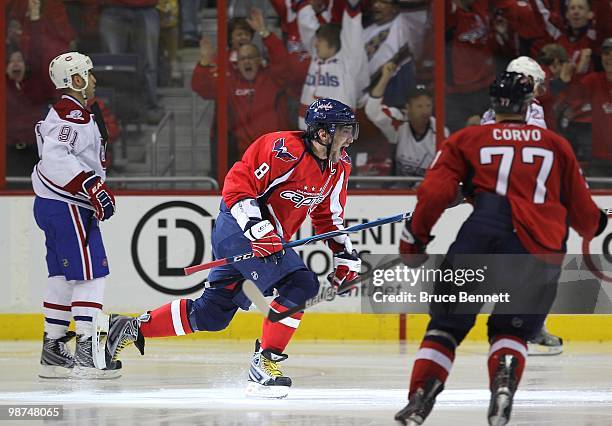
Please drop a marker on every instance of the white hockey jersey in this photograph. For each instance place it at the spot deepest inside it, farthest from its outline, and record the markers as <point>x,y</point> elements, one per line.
<point>413,156</point>
<point>69,145</point>
<point>535,115</point>
<point>344,76</point>
<point>383,41</point>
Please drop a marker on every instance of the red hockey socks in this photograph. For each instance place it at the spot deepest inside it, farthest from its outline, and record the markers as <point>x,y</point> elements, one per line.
<point>170,319</point>
<point>433,359</point>
<point>507,345</point>
<point>276,335</point>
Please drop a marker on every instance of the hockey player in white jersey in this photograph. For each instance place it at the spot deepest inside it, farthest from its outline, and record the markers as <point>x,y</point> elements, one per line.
<point>412,133</point>
<point>529,67</point>
<point>71,197</point>
<point>544,343</point>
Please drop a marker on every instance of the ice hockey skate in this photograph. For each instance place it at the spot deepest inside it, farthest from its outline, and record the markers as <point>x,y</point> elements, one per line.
<point>56,360</point>
<point>545,344</point>
<point>113,334</point>
<point>265,378</point>
<point>84,366</point>
<point>503,387</point>
<point>420,404</point>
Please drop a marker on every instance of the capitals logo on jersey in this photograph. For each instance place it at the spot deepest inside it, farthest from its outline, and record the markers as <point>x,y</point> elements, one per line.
<point>282,152</point>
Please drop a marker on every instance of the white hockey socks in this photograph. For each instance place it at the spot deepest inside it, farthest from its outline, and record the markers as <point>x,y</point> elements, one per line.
<point>56,306</point>
<point>87,301</point>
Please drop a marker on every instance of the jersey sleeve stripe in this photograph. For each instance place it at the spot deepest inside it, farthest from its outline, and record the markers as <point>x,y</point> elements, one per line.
<point>335,205</point>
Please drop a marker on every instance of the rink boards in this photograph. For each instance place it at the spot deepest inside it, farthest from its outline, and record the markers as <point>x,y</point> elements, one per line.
<point>152,238</point>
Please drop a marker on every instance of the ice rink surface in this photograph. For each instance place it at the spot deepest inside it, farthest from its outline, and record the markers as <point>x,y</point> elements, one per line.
<point>338,383</point>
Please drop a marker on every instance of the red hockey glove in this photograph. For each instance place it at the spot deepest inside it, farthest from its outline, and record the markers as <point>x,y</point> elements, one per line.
<point>100,197</point>
<point>411,249</point>
<point>347,266</point>
<point>265,242</point>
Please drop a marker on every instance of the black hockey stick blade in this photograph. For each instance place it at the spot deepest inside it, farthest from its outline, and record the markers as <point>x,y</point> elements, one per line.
<point>277,316</point>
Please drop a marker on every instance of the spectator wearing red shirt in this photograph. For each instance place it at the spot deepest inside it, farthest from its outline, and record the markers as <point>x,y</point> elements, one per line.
<point>45,33</point>
<point>596,88</point>
<point>471,65</point>
<point>319,12</point>
<point>25,106</point>
<point>589,22</point>
<point>257,101</point>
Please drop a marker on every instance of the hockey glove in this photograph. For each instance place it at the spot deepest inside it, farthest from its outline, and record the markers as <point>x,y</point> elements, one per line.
<point>265,242</point>
<point>347,266</point>
<point>411,249</point>
<point>100,197</point>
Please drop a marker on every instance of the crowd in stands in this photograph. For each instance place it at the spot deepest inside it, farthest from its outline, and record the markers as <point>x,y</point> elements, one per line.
<point>374,55</point>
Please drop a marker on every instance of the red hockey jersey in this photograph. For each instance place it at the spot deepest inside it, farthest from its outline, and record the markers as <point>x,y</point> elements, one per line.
<point>287,181</point>
<point>534,168</point>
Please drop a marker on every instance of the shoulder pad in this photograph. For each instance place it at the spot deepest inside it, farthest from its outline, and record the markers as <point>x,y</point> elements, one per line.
<point>286,146</point>
<point>69,110</point>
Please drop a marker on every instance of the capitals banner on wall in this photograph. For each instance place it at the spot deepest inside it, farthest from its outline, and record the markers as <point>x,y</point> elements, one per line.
<point>151,239</point>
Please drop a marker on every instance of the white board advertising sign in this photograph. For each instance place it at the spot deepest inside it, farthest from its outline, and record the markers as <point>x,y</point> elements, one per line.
<point>152,238</point>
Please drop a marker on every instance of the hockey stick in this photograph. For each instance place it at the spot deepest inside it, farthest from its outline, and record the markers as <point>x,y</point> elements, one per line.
<point>325,236</point>
<point>258,299</point>
<point>261,303</point>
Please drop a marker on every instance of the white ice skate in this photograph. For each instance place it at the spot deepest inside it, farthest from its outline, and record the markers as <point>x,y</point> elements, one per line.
<point>56,361</point>
<point>545,344</point>
<point>265,378</point>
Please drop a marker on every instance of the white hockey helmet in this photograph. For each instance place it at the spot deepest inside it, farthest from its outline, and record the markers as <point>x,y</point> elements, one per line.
<point>64,66</point>
<point>529,67</point>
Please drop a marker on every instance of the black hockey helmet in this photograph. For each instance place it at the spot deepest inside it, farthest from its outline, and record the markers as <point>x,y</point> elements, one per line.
<point>511,93</point>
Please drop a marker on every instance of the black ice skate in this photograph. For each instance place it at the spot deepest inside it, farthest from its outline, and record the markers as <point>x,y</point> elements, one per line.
<point>503,387</point>
<point>84,366</point>
<point>420,404</point>
<point>56,360</point>
<point>113,334</point>
<point>545,344</point>
<point>265,378</point>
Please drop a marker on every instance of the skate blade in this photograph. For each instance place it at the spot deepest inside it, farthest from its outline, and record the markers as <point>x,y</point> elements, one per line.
<point>54,372</point>
<point>410,421</point>
<point>502,402</point>
<point>100,325</point>
<point>535,349</point>
<point>86,373</point>
<point>255,390</point>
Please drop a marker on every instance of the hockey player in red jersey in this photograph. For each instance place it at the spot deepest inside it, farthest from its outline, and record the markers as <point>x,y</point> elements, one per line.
<point>526,187</point>
<point>282,178</point>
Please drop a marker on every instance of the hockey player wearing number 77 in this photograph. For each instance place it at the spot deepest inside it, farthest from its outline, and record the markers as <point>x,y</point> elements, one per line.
<point>71,198</point>
<point>526,187</point>
<point>283,177</point>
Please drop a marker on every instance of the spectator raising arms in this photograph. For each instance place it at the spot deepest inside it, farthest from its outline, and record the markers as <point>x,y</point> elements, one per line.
<point>338,68</point>
<point>45,33</point>
<point>397,37</point>
<point>257,102</point>
<point>25,103</point>
<point>596,89</point>
<point>412,134</point>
